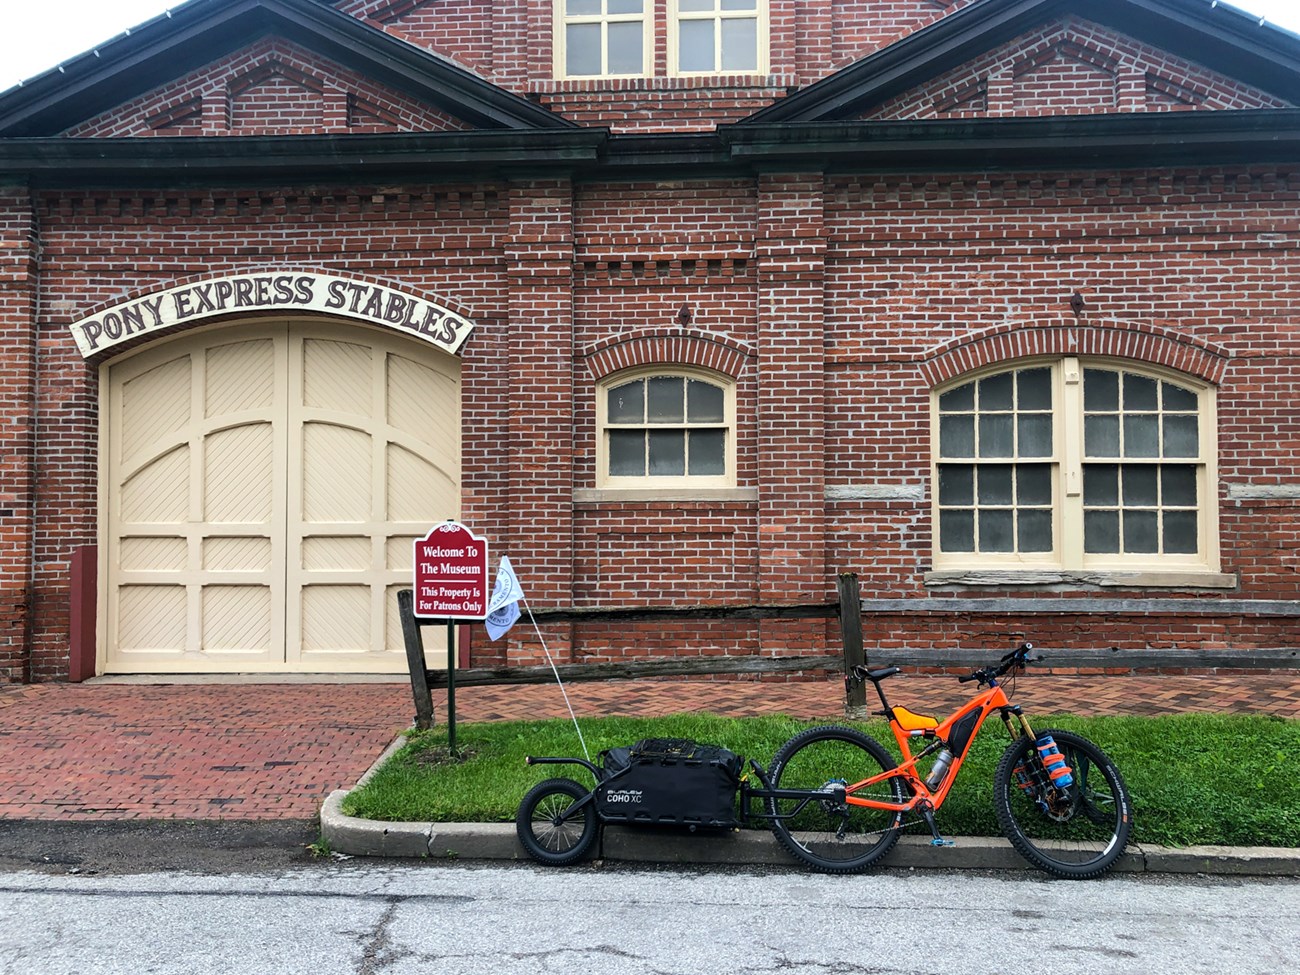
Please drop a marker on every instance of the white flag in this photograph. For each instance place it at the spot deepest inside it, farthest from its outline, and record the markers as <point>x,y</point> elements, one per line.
<point>503,607</point>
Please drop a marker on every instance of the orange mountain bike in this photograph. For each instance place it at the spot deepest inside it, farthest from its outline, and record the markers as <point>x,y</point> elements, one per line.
<point>837,800</point>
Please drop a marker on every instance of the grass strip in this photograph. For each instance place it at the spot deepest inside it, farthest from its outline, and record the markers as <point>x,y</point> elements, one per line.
<point>1194,779</point>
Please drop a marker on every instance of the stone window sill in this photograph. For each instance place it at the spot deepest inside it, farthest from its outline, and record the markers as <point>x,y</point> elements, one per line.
<point>1061,580</point>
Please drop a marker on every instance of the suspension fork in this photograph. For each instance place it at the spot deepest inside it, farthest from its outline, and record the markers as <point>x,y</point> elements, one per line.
<point>1016,712</point>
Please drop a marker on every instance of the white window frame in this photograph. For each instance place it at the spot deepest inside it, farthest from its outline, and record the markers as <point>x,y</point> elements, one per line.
<point>676,15</point>
<point>1067,460</point>
<point>560,39</point>
<point>605,481</point>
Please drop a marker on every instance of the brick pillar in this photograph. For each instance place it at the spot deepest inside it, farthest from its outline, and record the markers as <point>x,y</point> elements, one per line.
<point>18,279</point>
<point>791,402</point>
<point>539,254</point>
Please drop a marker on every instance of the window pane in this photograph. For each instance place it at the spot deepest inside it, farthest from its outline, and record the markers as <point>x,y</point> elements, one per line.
<point>1034,531</point>
<point>956,484</point>
<point>1100,390</point>
<point>957,436</point>
<point>1101,532</point>
<point>739,4</point>
<point>1140,528</point>
<point>1178,486</point>
<point>626,403</point>
<point>961,398</point>
<point>626,453</point>
<point>957,531</point>
<point>995,484</point>
<point>995,392</point>
<point>1139,485</point>
<point>664,399</point>
<point>1178,398</point>
<point>703,402</point>
<point>1101,436</point>
<point>1034,389</point>
<point>695,6</point>
<point>624,6</point>
<point>707,452</point>
<point>995,435</point>
<point>1139,394</point>
<point>582,49</point>
<point>667,452</point>
<point>740,44</point>
<point>1034,484</point>
<point>581,8</point>
<point>625,48</point>
<point>1141,438</point>
<point>996,533</point>
<point>1101,484</point>
<point>1180,532</point>
<point>1034,434</point>
<point>695,45</point>
<point>1181,436</point>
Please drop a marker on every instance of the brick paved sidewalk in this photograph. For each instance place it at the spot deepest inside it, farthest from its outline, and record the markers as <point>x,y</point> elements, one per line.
<point>274,751</point>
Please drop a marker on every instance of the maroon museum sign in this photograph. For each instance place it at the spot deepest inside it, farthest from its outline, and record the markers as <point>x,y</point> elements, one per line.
<point>451,574</point>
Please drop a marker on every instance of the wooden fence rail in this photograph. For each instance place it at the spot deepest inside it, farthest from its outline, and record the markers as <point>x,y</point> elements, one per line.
<point>424,680</point>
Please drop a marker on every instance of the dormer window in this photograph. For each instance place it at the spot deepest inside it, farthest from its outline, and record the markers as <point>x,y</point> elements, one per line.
<point>603,39</point>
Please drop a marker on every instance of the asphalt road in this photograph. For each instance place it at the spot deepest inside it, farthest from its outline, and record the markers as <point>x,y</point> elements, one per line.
<point>260,913</point>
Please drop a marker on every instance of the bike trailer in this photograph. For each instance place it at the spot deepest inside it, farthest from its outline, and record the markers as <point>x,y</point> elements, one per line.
<point>670,782</point>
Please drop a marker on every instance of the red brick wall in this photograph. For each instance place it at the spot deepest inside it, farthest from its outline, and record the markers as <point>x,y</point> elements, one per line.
<point>272,87</point>
<point>19,271</point>
<point>1074,67</point>
<point>835,303</point>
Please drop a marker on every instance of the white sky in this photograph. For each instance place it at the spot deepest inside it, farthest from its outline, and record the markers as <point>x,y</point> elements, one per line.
<point>39,34</point>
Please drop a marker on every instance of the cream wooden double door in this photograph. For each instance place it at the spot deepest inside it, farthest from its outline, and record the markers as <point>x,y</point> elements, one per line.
<point>262,486</point>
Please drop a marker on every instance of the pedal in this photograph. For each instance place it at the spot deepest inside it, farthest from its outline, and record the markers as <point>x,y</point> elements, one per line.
<point>928,815</point>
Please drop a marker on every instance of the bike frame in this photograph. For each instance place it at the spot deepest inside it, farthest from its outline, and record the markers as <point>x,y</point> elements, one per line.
<point>985,703</point>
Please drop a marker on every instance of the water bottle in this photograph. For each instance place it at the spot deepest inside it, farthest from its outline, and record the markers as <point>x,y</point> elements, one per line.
<point>1054,762</point>
<point>939,770</point>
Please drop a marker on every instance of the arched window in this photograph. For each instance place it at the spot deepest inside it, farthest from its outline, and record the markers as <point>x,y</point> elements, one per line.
<point>666,427</point>
<point>1075,464</point>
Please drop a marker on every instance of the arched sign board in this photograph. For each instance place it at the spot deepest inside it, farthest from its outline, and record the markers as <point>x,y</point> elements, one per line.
<point>451,574</point>
<point>289,291</point>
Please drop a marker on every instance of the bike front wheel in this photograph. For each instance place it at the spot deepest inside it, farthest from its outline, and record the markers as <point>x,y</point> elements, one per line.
<point>827,834</point>
<point>1077,832</point>
<point>543,828</point>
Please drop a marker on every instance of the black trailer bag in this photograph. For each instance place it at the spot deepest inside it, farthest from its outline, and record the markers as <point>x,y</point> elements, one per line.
<point>670,782</point>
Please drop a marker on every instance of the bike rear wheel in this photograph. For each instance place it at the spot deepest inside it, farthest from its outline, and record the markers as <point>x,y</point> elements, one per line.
<point>825,834</point>
<point>1078,832</point>
<point>544,834</point>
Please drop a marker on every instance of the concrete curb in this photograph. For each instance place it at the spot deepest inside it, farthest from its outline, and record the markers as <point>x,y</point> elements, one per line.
<point>497,841</point>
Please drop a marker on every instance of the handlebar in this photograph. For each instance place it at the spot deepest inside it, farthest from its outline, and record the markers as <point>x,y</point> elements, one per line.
<point>1017,659</point>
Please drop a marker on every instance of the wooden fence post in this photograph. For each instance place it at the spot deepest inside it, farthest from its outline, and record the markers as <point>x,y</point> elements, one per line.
<point>855,696</point>
<point>415,659</point>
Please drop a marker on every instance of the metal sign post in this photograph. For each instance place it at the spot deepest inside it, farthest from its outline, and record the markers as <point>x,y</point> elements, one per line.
<point>451,584</point>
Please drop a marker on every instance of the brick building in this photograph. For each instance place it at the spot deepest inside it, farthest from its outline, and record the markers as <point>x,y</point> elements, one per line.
<point>678,302</point>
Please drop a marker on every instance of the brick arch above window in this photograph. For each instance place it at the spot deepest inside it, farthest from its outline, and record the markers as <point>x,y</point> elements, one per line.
<point>680,347</point>
<point>1122,340</point>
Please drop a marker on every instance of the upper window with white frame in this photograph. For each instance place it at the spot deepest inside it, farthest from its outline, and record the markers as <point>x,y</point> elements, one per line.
<point>616,38</point>
<point>718,37</point>
<point>1075,464</point>
<point>666,428</point>
<point>603,38</point>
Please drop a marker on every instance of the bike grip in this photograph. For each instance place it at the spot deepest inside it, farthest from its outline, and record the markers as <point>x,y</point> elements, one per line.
<point>966,680</point>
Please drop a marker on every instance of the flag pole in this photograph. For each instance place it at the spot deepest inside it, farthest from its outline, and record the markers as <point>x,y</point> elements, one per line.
<point>556,672</point>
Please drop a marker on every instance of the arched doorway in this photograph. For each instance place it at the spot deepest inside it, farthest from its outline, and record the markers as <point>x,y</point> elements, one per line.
<point>261,485</point>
